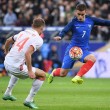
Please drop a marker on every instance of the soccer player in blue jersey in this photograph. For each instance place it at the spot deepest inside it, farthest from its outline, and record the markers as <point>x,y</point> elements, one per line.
<point>81,27</point>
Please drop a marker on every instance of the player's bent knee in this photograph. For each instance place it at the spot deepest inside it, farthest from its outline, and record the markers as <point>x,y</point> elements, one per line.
<point>40,74</point>
<point>63,73</point>
<point>93,60</point>
<point>42,77</point>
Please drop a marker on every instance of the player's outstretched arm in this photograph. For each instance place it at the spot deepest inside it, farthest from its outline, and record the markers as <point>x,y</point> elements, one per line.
<point>66,28</point>
<point>8,42</point>
<point>100,22</point>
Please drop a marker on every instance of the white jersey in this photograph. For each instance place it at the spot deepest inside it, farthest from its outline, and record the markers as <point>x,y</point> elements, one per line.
<point>23,40</point>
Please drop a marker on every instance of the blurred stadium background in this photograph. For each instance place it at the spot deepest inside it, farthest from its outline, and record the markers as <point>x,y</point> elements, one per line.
<point>17,15</point>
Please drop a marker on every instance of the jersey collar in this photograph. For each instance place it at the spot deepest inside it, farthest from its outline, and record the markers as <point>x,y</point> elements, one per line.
<point>32,31</point>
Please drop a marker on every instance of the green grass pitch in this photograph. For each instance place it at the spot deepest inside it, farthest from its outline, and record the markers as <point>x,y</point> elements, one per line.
<point>93,94</point>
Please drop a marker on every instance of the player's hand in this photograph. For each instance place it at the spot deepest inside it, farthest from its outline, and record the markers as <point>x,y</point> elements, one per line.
<point>31,74</point>
<point>57,38</point>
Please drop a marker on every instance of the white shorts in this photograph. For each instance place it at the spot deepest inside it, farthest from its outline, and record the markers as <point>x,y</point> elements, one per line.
<point>21,72</point>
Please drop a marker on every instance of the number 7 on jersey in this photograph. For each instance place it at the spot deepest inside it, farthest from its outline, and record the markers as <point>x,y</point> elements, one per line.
<point>84,32</point>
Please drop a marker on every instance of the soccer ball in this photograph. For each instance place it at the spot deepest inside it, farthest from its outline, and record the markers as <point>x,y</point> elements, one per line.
<point>75,53</point>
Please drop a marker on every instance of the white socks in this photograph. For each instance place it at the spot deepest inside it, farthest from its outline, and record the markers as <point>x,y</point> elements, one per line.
<point>11,84</point>
<point>35,87</point>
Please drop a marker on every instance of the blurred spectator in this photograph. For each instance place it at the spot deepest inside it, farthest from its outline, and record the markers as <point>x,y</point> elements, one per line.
<point>37,60</point>
<point>47,17</point>
<point>55,12</point>
<point>53,56</point>
<point>95,34</point>
<point>28,17</point>
<point>45,50</point>
<point>104,10</point>
<point>20,21</point>
<point>10,18</point>
<point>2,56</point>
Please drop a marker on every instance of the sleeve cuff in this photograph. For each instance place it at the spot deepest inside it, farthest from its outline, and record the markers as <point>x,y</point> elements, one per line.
<point>13,38</point>
<point>60,35</point>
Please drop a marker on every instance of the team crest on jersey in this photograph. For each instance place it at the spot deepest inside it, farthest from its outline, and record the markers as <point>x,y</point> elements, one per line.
<point>77,27</point>
<point>89,25</point>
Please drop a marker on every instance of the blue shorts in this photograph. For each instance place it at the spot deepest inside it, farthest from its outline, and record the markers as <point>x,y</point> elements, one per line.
<point>69,62</point>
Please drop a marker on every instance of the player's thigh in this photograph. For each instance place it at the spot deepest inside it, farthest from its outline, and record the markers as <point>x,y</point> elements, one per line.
<point>90,57</point>
<point>87,55</point>
<point>16,71</point>
<point>22,71</point>
<point>40,73</point>
<point>67,62</point>
<point>66,65</point>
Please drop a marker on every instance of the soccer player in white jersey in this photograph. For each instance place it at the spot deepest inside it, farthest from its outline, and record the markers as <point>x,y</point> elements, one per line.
<point>25,43</point>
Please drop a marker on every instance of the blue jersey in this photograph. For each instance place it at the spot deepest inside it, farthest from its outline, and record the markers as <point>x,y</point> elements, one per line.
<point>80,37</point>
<point>81,30</point>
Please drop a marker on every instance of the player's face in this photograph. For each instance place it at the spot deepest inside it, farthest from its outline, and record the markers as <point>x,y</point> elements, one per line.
<point>80,15</point>
<point>40,30</point>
